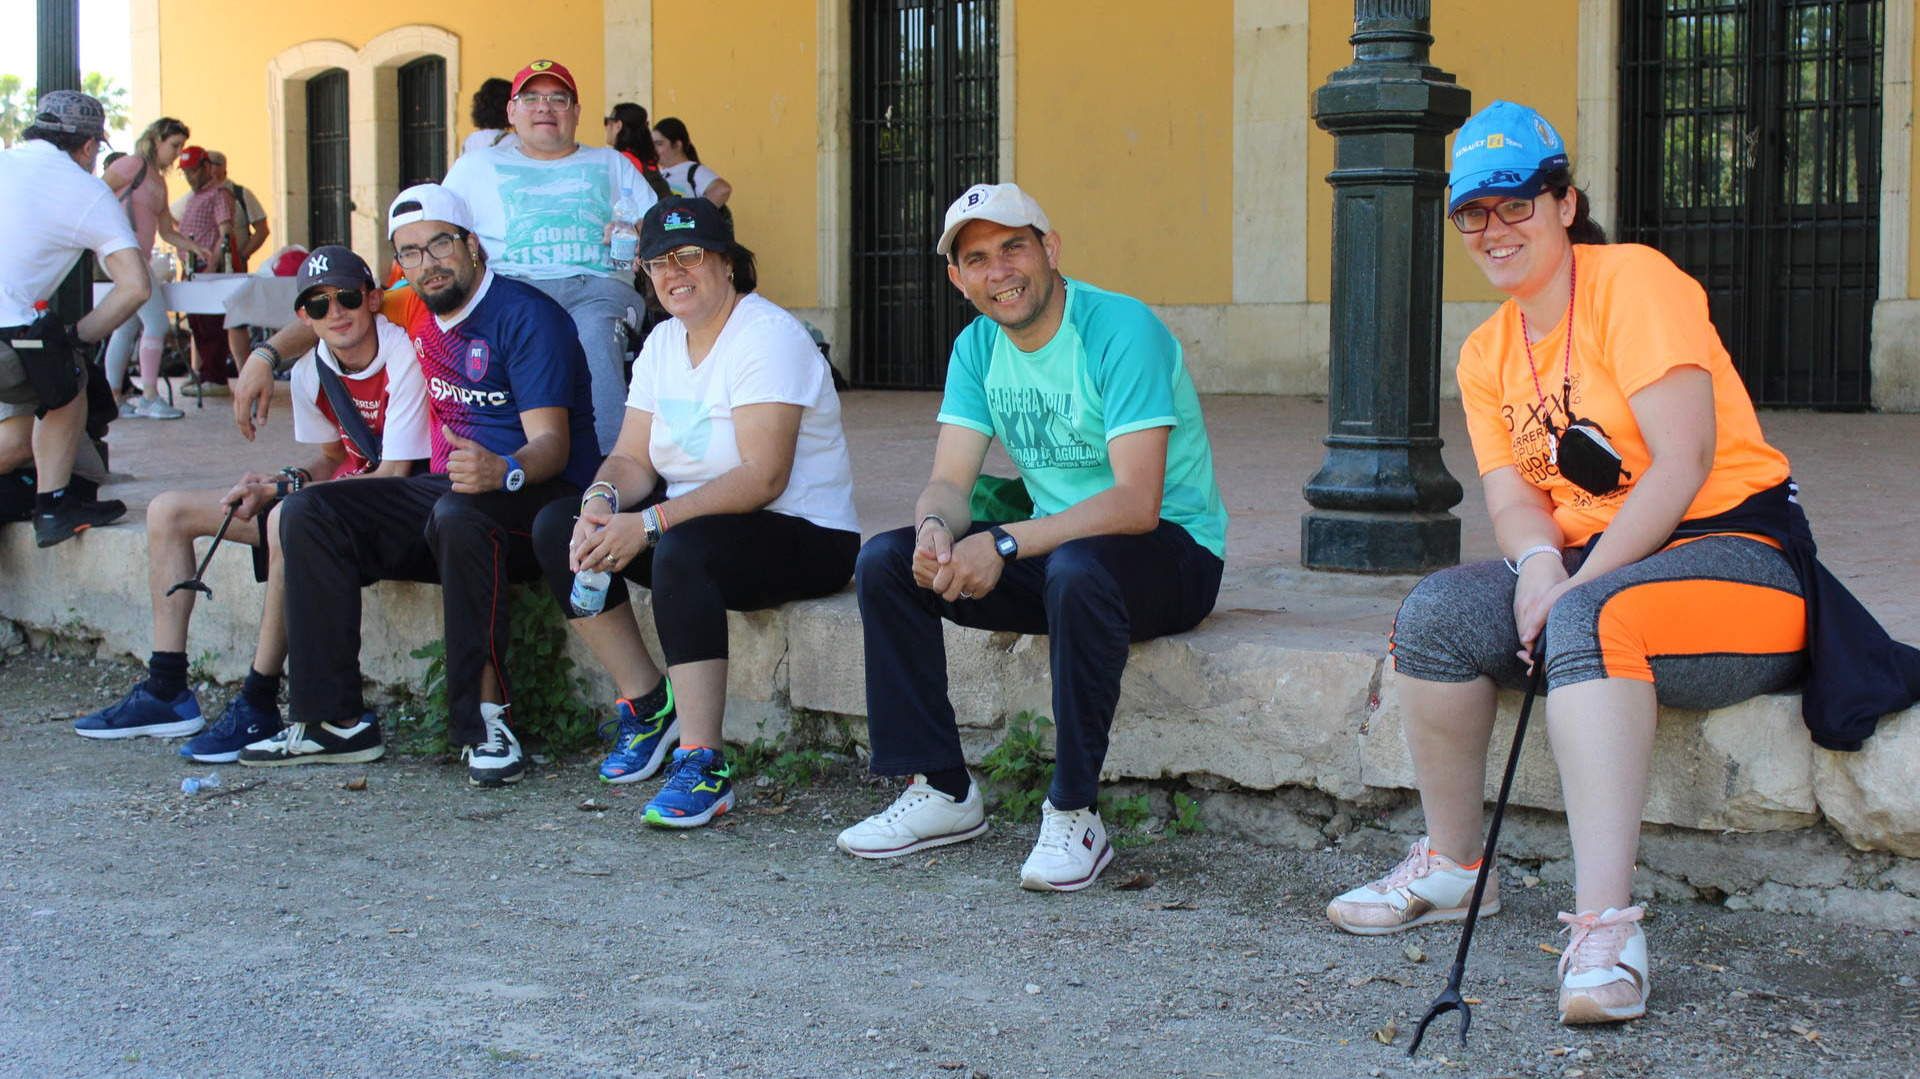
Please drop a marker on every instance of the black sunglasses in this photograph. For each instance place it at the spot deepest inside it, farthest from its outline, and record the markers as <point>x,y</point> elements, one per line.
<point>317,306</point>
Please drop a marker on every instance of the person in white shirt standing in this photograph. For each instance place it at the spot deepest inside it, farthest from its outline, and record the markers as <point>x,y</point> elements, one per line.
<point>543,209</point>
<point>730,489</point>
<point>52,208</point>
<point>680,163</point>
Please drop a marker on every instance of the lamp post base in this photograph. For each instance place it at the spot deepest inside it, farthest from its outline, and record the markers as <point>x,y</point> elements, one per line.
<point>1361,542</point>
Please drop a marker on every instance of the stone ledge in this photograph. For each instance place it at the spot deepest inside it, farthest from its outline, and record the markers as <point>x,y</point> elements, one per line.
<point>1227,704</point>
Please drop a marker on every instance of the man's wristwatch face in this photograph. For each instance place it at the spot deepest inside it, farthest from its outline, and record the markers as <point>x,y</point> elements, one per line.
<point>516,476</point>
<point>1004,543</point>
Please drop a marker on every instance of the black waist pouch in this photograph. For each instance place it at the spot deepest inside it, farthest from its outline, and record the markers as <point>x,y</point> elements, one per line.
<point>50,358</point>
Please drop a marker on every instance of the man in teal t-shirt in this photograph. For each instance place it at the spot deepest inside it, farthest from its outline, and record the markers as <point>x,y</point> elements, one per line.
<point>1088,392</point>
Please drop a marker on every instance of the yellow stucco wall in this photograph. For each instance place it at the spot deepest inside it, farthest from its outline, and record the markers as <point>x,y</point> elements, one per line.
<point>749,95</point>
<point>215,52</point>
<point>1538,68</point>
<point>1129,143</point>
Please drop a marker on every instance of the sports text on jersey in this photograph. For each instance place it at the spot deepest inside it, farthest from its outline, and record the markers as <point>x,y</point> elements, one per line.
<point>441,390</point>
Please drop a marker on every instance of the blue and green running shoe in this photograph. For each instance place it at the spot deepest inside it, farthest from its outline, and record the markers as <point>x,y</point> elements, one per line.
<point>699,788</point>
<point>640,743</point>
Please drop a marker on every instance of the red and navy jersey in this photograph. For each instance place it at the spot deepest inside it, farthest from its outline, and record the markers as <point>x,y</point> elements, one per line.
<point>513,350</point>
<point>387,392</point>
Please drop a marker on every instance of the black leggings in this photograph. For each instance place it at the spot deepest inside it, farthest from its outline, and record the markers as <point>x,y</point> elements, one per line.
<point>707,566</point>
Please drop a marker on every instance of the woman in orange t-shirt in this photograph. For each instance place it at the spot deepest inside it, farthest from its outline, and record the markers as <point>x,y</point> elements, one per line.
<point>1604,412</point>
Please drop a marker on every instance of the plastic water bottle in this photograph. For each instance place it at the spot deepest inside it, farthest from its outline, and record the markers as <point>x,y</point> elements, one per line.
<point>589,595</point>
<point>191,785</point>
<point>626,238</point>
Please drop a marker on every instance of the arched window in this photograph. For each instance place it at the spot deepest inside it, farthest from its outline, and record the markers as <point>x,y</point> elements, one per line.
<point>423,121</point>
<point>329,165</point>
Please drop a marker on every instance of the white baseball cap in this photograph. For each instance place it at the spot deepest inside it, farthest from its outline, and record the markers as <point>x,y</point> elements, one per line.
<point>428,202</point>
<point>1002,204</point>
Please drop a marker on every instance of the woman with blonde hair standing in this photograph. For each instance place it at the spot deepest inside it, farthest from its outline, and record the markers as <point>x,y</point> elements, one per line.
<point>139,179</point>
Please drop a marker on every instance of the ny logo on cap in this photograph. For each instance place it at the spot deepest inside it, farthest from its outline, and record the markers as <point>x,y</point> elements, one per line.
<point>317,264</point>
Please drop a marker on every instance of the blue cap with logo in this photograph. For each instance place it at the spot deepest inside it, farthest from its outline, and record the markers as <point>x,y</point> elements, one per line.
<point>1504,149</point>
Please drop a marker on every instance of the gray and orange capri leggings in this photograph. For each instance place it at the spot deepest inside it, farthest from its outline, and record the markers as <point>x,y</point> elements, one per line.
<point>1709,621</point>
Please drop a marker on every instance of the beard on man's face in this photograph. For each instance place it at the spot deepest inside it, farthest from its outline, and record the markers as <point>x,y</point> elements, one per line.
<point>449,297</point>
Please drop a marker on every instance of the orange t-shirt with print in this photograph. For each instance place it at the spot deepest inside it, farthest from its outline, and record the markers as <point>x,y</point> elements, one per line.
<point>1636,316</point>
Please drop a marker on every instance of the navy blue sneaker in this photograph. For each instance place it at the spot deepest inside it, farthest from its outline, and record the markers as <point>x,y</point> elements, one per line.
<point>140,714</point>
<point>641,742</point>
<point>699,788</point>
<point>238,726</point>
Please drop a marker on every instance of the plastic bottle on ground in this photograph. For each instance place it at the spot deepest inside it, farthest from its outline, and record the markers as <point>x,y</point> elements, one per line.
<point>194,785</point>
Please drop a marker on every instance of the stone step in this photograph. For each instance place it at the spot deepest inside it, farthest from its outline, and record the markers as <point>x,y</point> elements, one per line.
<point>1248,698</point>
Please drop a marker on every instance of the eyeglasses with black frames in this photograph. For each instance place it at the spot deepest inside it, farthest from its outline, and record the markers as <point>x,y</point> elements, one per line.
<point>441,247</point>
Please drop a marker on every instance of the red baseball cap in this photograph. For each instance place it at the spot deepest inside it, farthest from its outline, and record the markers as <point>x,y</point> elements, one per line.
<point>193,157</point>
<point>544,67</point>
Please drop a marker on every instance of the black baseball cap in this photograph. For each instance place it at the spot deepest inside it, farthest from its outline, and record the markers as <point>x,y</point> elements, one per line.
<point>331,264</point>
<point>677,222</point>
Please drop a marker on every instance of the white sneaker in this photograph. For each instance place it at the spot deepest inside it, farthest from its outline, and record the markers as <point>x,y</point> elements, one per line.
<point>1604,973</point>
<point>920,818</point>
<point>153,408</point>
<point>1071,851</point>
<point>130,406</point>
<point>496,761</point>
<point>1424,887</point>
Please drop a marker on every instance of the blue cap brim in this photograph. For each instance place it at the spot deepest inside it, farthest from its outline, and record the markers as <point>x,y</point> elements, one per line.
<point>1479,185</point>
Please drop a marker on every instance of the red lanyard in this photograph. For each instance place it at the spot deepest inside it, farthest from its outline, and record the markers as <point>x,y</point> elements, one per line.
<point>1566,363</point>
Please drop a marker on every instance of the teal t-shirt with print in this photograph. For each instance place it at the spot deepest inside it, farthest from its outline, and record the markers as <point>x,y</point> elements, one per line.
<point>1112,369</point>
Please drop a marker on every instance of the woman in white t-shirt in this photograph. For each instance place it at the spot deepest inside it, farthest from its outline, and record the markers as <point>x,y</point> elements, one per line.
<point>730,488</point>
<point>680,164</point>
<point>490,127</point>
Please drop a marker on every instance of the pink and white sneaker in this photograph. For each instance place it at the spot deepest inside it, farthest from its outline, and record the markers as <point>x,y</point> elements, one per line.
<point>1604,976</point>
<point>1425,887</point>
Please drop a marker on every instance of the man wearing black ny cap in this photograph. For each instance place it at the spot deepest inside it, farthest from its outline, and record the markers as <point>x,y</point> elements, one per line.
<point>360,401</point>
<point>52,208</point>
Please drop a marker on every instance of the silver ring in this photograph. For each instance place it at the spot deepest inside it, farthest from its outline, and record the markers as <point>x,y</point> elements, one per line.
<point>966,595</point>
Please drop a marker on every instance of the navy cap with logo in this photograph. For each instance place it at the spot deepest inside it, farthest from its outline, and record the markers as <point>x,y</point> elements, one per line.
<point>675,223</point>
<point>71,112</point>
<point>331,264</point>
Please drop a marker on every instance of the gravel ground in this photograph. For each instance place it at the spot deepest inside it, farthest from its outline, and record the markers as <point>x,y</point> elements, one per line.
<point>421,927</point>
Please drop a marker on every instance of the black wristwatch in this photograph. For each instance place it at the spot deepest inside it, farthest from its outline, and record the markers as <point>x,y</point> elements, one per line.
<point>1004,542</point>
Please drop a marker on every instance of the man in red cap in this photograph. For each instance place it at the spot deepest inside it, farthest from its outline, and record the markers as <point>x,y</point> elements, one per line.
<point>207,220</point>
<point>544,206</point>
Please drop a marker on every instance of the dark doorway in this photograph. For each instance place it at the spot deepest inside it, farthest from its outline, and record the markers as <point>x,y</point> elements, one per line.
<point>1750,154</point>
<point>328,202</point>
<point>926,125</point>
<point>423,121</point>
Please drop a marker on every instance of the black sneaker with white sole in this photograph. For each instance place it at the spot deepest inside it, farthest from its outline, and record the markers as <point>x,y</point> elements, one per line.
<point>317,743</point>
<point>497,760</point>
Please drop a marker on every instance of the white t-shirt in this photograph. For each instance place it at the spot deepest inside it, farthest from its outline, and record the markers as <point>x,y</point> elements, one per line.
<point>485,137</point>
<point>543,220</point>
<point>763,355</point>
<point>689,178</point>
<point>390,394</point>
<point>50,211</point>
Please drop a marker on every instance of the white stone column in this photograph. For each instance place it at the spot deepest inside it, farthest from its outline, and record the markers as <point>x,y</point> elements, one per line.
<point>628,33</point>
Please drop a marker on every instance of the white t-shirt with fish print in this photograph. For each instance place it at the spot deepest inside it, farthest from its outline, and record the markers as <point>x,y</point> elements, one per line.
<point>542,220</point>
